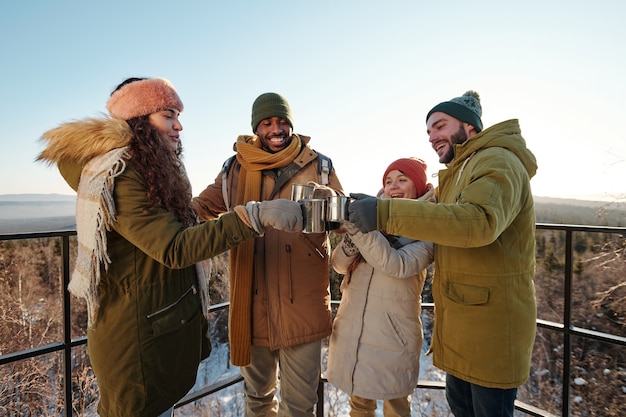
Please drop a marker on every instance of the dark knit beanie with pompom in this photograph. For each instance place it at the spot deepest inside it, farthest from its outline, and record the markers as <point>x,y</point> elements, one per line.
<point>465,108</point>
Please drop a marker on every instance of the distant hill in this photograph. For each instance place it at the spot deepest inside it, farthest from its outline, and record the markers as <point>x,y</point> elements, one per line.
<point>36,197</point>
<point>579,203</point>
<point>570,211</point>
<point>26,213</point>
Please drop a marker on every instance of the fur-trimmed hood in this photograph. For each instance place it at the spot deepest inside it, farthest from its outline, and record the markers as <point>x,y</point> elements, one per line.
<point>82,140</point>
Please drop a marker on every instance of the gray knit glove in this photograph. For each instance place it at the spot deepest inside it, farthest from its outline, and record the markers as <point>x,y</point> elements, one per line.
<point>281,214</point>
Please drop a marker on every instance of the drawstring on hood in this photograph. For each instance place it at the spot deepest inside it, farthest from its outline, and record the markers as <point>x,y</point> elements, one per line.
<point>458,178</point>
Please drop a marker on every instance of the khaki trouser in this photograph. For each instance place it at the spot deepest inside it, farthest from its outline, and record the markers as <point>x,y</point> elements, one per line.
<point>364,407</point>
<point>299,367</point>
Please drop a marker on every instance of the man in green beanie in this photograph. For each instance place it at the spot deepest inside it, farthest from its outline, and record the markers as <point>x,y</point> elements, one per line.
<point>483,228</point>
<point>279,283</point>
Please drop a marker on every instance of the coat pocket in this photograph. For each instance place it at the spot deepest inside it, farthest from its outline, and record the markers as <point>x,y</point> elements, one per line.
<point>467,294</point>
<point>320,251</point>
<point>176,315</point>
<point>397,330</point>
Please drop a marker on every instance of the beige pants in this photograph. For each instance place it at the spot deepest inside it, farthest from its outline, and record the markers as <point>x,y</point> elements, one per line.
<point>364,407</point>
<point>299,369</point>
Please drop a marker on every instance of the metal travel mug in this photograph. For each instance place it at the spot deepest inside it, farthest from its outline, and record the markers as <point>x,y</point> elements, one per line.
<point>336,211</point>
<point>301,192</point>
<point>337,208</point>
<point>313,211</point>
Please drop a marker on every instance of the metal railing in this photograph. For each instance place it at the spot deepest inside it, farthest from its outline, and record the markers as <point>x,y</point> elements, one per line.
<point>567,329</point>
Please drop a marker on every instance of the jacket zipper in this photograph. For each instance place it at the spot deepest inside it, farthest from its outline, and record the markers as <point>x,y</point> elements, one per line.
<point>288,249</point>
<point>192,289</point>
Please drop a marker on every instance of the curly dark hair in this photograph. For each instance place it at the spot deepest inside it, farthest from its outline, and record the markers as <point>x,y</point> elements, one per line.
<point>161,169</point>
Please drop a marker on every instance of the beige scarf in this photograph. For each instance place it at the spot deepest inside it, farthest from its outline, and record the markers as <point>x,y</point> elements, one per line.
<point>95,212</point>
<point>253,160</point>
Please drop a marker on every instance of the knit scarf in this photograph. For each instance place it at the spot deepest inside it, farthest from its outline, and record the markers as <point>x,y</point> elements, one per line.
<point>253,160</point>
<point>95,212</point>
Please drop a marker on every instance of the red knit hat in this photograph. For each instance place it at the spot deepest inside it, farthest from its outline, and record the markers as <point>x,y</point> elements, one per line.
<point>414,168</point>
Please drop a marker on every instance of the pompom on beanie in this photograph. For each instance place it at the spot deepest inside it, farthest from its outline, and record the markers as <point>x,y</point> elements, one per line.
<point>414,168</point>
<point>465,108</point>
<point>270,105</point>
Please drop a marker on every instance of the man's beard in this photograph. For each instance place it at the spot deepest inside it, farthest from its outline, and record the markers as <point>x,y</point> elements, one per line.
<point>456,139</point>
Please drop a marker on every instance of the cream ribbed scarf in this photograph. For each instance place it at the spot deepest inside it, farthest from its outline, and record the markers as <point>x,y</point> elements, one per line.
<point>95,212</point>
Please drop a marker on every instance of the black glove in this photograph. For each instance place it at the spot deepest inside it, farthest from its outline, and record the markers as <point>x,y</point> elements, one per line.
<point>362,212</point>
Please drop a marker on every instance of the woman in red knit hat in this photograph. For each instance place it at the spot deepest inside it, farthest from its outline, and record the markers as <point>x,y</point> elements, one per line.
<point>377,334</point>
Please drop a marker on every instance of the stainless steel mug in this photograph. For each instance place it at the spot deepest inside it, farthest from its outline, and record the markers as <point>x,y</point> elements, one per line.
<point>313,213</point>
<point>301,191</point>
<point>337,208</point>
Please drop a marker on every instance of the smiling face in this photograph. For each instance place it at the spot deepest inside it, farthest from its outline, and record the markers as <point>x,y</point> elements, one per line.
<point>398,185</point>
<point>444,131</point>
<point>274,133</point>
<point>167,123</point>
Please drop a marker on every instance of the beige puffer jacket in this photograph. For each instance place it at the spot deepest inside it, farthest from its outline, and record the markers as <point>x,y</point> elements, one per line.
<point>377,335</point>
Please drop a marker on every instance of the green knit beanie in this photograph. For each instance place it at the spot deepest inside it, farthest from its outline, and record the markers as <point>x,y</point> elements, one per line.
<point>465,108</point>
<point>270,105</point>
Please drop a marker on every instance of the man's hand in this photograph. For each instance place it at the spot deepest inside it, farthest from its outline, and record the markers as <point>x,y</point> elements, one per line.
<point>362,212</point>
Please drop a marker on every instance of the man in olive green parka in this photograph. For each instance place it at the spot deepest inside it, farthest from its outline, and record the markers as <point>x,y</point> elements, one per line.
<point>483,227</point>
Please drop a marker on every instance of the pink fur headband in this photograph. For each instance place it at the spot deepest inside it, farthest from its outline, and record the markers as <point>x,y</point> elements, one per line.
<point>143,97</point>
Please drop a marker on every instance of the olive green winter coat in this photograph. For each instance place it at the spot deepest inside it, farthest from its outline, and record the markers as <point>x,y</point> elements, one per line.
<point>150,333</point>
<point>484,233</point>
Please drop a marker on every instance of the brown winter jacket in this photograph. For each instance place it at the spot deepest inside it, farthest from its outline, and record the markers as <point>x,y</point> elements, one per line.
<point>291,298</point>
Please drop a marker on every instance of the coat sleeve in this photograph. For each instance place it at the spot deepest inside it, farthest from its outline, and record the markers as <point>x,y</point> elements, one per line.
<point>209,204</point>
<point>483,209</point>
<point>405,262</point>
<point>158,233</point>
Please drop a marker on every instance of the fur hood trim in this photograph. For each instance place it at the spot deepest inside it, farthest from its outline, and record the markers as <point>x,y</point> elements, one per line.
<point>82,140</point>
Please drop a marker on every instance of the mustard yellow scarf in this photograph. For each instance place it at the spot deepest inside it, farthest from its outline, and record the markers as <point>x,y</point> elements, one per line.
<point>253,159</point>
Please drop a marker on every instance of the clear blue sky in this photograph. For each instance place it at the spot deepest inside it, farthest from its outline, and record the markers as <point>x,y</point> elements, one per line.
<point>360,77</point>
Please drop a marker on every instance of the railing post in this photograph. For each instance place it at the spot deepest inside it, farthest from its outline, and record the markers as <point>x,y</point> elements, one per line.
<point>67,327</point>
<point>567,321</point>
<point>319,411</point>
